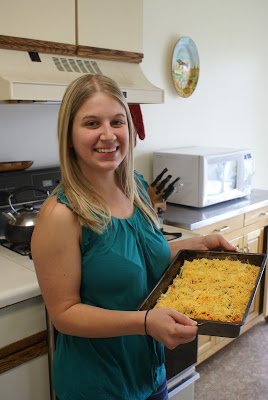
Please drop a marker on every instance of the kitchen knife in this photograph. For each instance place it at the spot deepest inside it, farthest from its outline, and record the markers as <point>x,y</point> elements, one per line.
<point>157,179</point>
<point>162,184</point>
<point>170,189</point>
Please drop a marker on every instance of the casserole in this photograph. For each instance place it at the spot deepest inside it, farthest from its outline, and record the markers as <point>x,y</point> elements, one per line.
<point>207,327</point>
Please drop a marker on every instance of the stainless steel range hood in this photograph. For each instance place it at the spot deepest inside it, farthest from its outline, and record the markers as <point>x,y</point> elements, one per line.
<point>44,77</point>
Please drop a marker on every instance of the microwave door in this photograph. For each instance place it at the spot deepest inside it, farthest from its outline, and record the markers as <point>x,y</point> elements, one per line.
<point>222,179</point>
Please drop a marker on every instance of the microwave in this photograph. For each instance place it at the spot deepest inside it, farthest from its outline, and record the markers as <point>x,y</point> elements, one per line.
<point>208,175</point>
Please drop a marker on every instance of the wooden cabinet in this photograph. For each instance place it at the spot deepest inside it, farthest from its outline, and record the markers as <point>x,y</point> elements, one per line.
<point>116,24</point>
<point>258,215</point>
<point>49,20</point>
<point>223,227</point>
<point>104,24</point>
<point>99,29</point>
<point>246,232</point>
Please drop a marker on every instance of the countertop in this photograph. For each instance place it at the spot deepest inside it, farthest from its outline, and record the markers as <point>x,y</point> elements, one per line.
<point>18,279</point>
<point>191,218</point>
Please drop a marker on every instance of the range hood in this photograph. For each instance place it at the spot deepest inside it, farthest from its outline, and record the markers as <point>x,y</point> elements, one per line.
<point>26,76</point>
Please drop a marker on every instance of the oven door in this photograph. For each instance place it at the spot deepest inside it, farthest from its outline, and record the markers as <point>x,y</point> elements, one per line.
<point>181,387</point>
<point>180,369</point>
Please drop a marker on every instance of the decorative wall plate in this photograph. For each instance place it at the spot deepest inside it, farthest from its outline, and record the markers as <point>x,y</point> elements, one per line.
<point>185,66</point>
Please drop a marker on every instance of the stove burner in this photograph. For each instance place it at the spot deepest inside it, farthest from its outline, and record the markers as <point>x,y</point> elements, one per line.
<point>23,249</point>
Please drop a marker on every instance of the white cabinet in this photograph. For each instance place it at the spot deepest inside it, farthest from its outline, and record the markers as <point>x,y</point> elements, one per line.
<point>29,381</point>
<point>50,20</point>
<point>116,24</point>
<point>24,367</point>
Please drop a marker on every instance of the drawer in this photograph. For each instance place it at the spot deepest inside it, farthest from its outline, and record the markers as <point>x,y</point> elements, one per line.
<point>27,381</point>
<point>22,320</point>
<point>223,227</point>
<point>258,215</point>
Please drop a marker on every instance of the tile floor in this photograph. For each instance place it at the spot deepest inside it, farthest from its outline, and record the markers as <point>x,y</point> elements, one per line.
<point>239,371</point>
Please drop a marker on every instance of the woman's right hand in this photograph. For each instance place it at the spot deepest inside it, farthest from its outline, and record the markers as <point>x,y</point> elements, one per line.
<point>170,327</point>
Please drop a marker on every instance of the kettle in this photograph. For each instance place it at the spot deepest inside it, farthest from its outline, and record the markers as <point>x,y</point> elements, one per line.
<point>21,223</point>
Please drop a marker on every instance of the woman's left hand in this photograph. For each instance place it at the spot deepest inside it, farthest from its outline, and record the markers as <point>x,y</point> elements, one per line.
<point>209,242</point>
<point>213,242</point>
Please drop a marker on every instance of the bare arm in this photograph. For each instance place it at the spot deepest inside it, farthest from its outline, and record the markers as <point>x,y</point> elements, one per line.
<point>57,259</point>
<point>209,242</point>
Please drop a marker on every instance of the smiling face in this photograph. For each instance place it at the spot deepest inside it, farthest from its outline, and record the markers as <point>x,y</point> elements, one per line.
<point>100,135</point>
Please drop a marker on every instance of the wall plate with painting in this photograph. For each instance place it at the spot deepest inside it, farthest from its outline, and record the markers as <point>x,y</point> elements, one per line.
<point>185,66</point>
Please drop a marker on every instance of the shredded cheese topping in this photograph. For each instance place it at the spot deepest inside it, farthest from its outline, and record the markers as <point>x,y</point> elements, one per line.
<point>217,290</point>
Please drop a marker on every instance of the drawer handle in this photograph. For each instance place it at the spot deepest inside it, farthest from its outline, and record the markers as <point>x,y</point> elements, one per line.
<point>223,229</point>
<point>264,213</point>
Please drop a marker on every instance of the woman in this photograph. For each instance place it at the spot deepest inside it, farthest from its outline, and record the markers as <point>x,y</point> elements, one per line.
<point>98,251</point>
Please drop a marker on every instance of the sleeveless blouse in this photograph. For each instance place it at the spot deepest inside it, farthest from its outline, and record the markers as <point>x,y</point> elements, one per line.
<point>119,268</point>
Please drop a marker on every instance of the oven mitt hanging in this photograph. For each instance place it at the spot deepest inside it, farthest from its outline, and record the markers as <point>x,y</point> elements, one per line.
<point>135,111</point>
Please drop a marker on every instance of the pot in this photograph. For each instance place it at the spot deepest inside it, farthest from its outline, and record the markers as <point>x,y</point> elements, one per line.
<point>21,223</point>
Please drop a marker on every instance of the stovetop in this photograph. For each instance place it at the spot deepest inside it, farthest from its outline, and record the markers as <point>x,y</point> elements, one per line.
<point>26,261</point>
<point>21,260</point>
<point>172,233</point>
<point>24,249</point>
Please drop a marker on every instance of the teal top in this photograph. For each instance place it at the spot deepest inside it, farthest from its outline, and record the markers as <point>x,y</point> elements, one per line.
<point>119,269</point>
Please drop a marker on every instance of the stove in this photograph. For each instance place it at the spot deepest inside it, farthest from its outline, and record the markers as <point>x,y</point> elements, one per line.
<point>27,181</point>
<point>46,179</point>
<point>172,233</point>
<point>23,249</point>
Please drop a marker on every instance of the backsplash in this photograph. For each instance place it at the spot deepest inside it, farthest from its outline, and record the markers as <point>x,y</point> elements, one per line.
<point>29,132</point>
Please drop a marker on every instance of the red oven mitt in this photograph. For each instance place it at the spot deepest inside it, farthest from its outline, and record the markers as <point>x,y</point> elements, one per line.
<point>135,111</point>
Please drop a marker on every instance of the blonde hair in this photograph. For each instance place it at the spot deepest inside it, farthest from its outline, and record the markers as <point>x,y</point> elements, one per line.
<point>91,209</point>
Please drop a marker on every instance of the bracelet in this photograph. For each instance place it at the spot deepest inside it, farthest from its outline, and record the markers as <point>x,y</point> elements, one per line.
<point>145,322</point>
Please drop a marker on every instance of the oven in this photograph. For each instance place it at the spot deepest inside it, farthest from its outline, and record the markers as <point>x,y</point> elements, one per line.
<point>181,374</point>
<point>180,362</point>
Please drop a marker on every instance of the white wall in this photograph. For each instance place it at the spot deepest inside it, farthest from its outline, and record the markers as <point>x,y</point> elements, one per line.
<point>29,132</point>
<point>228,106</point>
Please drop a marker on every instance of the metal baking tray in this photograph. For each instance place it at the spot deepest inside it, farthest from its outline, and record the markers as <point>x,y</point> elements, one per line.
<point>207,327</point>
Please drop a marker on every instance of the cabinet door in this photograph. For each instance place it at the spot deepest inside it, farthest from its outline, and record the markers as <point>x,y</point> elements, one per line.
<point>253,243</point>
<point>27,381</point>
<point>116,25</point>
<point>49,20</point>
<point>223,227</point>
<point>205,344</point>
<point>238,242</point>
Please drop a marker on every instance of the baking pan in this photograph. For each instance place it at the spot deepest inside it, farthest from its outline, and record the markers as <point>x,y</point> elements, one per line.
<point>207,327</point>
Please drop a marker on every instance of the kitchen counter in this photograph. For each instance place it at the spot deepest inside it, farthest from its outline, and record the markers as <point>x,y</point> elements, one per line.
<point>18,279</point>
<point>191,218</point>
